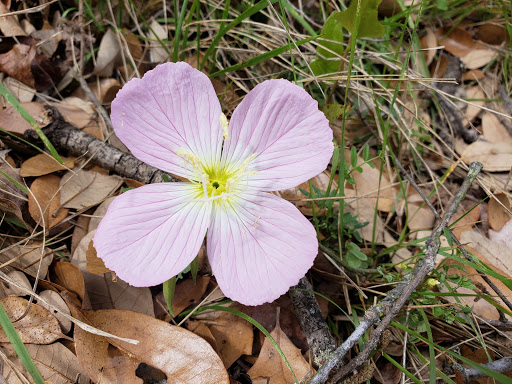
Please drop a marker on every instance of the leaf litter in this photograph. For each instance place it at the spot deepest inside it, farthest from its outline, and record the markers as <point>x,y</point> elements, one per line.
<point>67,201</point>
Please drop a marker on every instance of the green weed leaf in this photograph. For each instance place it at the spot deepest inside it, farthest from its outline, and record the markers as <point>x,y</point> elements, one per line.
<point>332,30</point>
<point>369,25</point>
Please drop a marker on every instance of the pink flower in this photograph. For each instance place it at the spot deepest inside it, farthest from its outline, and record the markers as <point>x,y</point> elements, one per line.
<point>258,244</point>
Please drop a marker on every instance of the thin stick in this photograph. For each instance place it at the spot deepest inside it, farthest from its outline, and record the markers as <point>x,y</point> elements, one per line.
<point>396,298</point>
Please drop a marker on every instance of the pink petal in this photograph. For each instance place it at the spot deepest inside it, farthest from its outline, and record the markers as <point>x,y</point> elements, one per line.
<point>172,107</point>
<point>282,124</point>
<point>152,233</point>
<point>259,245</point>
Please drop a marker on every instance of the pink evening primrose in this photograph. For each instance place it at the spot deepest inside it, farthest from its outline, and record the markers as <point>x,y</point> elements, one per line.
<point>258,244</point>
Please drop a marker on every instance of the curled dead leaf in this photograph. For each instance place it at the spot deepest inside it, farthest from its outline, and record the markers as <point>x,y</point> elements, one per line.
<point>234,337</point>
<point>94,263</point>
<point>27,258</point>
<point>56,363</point>
<point>44,201</point>
<point>180,354</point>
<point>500,206</point>
<point>44,164</point>
<point>55,299</point>
<point>85,189</point>
<point>70,277</point>
<point>496,157</point>
<point>271,367</point>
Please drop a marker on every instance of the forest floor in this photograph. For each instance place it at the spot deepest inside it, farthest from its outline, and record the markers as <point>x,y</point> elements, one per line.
<point>413,278</point>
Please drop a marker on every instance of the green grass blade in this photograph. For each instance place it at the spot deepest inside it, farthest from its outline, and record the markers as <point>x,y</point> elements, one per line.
<point>286,5</point>
<point>19,347</point>
<point>168,289</point>
<point>264,56</point>
<point>245,15</point>
<point>15,182</point>
<point>500,378</point>
<point>29,119</point>
<point>179,24</point>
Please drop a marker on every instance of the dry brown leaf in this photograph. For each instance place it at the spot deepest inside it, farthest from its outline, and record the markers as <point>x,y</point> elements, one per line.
<point>81,229</point>
<point>56,300</point>
<point>45,199</point>
<point>17,63</point>
<point>270,364</point>
<point>98,214</point>
<point>504,237</point>
<point>367,185</point>
<point>108,54</point>
<point>428,42</point>
<point>500,206</point>
<point>20,278</point>
<point>496,157</point>
<point>492,33</point>
<point>157,53</point>
<point>56,363</point>
<point>467,222</point>
<point>472,111</point>
<point>420,218</point>
<point>38,327</point>
<point>11,120</point>
<point>44,164</point>
<point>105,90</point>
<point>9,25</point>
<point>234,337</point>
<point>180,354</point>
<point>76,112</point>
<point>85,189</point>
<point>104,293</point>
<point>497,254</point>
<point>21,91</point>
<point>27,258</point>
<point>459,42</point>
<point>493,130</point>
<point>202,330</point>
<point>71,278</point>
<point>94,263</point>
<point>477,58</point>
<point>187,293</point>
<point>473,74</point>
<point>480,307</point>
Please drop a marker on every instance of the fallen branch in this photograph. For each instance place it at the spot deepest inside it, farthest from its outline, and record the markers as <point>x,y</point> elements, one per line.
<point>396,298</point>
<point>501,366</point>
<point>320,341</point>
<point>66,137</point>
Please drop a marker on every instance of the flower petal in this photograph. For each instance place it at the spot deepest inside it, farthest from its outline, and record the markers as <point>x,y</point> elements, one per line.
<point>172,107</point>
<point>259,245</point>
<point>281,123</point>
<point>152,233</point>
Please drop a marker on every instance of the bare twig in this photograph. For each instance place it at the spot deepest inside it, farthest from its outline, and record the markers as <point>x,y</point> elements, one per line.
<point>465,253</point>
<point>501,366</point>
<point>396,298</point>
